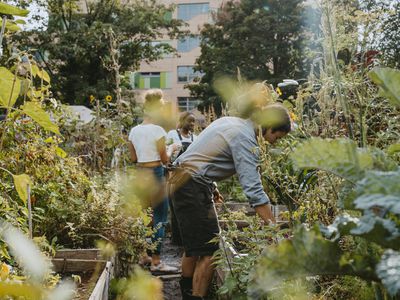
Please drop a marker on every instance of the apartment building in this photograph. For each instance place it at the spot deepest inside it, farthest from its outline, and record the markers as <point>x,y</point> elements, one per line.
<point>172,73</point>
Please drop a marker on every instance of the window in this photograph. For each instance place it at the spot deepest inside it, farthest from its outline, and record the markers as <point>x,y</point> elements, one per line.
<point>188,44</point>
<point>150,80</point>
<point>187,12</point>
<point>187,74</point>
<point>160,45</point>
<point>187,103</point>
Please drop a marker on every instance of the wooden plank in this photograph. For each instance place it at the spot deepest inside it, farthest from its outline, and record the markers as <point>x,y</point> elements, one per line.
<point>169,276</point>
<point>63,265</point>
<point>235,206</point>
<point>78,254</point>
<point>100,291</point>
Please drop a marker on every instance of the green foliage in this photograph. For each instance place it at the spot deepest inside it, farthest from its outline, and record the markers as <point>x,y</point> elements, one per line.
<point>33,110</point>
<point>231,190</point>
<point>35,281</point>
<point>341,157</point>
<point>140,285</point>
<point>95,142</point>
<point>108,30</point>
<point>379,190</point>
<point>8,9</point>
<point>388,271</point>
<point>388,43</point>
<point>10,86</point>
<point>344,287</point>
<point>306,253</point>
<point>260,38</point>
<point>388,81</point>
<point>249,242</point>
<point>21,183</point>
<point>376,194</point>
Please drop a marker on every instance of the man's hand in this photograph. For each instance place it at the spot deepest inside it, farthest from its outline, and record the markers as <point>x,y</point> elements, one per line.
<point>265,213</point>
<point>218,198</point>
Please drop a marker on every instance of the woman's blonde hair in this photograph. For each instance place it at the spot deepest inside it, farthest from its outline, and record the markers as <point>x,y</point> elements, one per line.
<point>153,99</point>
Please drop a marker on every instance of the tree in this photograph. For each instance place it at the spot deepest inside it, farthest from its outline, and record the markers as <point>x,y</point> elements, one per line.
<point>79,45</point>
<point>261,38</point>
<point>389,44</point>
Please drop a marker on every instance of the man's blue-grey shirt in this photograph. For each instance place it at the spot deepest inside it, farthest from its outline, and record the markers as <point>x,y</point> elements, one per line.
<point>227,146</point>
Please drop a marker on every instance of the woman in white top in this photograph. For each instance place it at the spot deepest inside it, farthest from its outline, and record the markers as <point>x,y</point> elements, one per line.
<point>148,150</point>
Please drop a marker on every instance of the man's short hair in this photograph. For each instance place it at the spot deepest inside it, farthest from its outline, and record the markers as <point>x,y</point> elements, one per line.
<point>275,117</point>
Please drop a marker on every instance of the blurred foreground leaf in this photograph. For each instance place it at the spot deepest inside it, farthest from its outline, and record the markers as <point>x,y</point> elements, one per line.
<point>26,253</point>
<point>388,81</point>
<point>17,289</point>
<point>379,190</point>
<point>389,271</point>
<point>8,9</point>
<point>140,286</point>
<point>244,97</point>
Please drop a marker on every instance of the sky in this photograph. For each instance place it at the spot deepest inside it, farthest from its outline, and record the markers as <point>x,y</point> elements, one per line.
<point>37,18</point>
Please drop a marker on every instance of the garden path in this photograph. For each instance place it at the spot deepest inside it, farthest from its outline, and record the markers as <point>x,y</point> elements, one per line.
<point>172,256</point>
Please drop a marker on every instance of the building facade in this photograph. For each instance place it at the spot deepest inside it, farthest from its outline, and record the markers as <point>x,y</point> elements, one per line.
<point>173,72</point>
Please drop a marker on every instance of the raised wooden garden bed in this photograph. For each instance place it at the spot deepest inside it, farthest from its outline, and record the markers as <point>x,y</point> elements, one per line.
<point>249,211</point>
<point>230,252</point>
<point>95,273</point>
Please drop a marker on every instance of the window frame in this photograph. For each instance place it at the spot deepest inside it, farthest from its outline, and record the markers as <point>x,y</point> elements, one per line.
<point>184,10</point>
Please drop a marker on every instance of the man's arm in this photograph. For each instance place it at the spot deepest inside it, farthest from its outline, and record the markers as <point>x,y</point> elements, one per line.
<point>246,159</point>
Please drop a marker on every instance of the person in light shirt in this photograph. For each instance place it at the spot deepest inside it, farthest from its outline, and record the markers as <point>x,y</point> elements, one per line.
<point>183,136</point>
<point>148,149</point>
<point>180,139</point>
<point>226,147</point>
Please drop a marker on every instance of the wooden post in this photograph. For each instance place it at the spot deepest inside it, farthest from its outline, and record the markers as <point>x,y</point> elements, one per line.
<point>29,211</point>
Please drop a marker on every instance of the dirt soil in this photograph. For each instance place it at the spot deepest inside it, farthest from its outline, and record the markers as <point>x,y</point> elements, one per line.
<point>85,285</point>
<point>171,255</point>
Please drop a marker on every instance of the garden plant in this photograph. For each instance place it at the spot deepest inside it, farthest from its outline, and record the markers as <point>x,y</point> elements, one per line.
<point>69,184</point>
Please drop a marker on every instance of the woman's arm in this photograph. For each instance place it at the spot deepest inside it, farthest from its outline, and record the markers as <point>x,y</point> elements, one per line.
<point>162,150</point>
<point>132,151</point>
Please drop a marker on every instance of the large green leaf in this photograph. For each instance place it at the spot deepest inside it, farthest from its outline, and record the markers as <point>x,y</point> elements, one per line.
<point>371,227</point>
<point>21,183</point>
<point>342,225</point>
<point>9,89</point>
<point>388,81</point>
<point>307,253</point>
<point>8,9</point>
<point>379,190</point>
<point>388,271</point>
<point>383,232</point>
<point>340,156</point>
<point>12,26</point>
<point>33,110</point>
